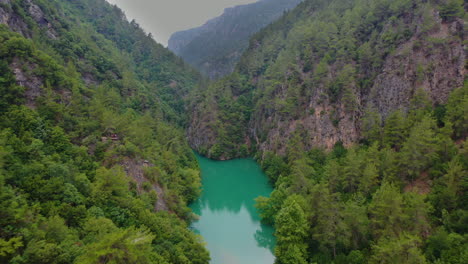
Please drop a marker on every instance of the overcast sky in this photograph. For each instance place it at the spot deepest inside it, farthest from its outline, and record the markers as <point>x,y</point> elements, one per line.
<point>164,17</point>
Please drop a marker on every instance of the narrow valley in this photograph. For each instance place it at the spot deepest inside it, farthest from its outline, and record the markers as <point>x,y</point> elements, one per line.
<point>326,131</point>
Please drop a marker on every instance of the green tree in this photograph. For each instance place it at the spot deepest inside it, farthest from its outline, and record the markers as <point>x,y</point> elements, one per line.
<point>9,247</point>
<point>109,185</point>
<point>329,228</point>
<point>302,174</point>
<point>123,246</point>
<point>369,180</point>
<point>401,249</point>
<point>291,231</point>
<point>371,126</point>
<point>451,10</point>
<point>417,212</point>
<point>450,189</point>
<point>420,106</point>
<point>274,166</point>
<point>457,110</point>
<point>268,207</point>
<point>352,171</point>
<point>357,222</point>
<point>419,150</point>
<point>386,211</point>
<point>394,130</point>
<point>445,247</point>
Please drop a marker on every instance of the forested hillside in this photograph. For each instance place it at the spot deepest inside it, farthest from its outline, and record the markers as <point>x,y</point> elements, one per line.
<point>216,47</point>
<point>357,111</point>
<point>95,167</point>
<point>326,68</point>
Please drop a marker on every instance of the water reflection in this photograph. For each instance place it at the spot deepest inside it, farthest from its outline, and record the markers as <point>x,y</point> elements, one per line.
<point>265,238</point>
<point>228,220</point>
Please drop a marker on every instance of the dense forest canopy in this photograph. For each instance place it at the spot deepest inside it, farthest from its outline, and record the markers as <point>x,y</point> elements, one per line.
<point>355,109</point>
<point>400,197</point>
<point>94,164</point>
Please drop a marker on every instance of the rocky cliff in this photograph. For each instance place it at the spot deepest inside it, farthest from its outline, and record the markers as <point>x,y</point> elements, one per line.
<point>215,47</point>
<point>313,78</point>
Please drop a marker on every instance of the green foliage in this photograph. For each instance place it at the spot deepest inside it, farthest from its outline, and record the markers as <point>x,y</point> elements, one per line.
<point>122,246</point>
<point>457,111</point>
<point>291,231</point>
<point>273,166</point>
<point>419,151</point>
<point>9,247</point>
<point>444,247</point>
<point>372,125</point>
<point>10,92</point>
<point>398,250</point>
<point>329,227</point>
<point>394,130</point>
<point>399,198</point>
<point>64,194</point>
<point>452,9</point>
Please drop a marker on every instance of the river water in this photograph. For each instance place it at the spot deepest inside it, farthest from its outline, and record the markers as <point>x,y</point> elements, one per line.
<point>229,222</point>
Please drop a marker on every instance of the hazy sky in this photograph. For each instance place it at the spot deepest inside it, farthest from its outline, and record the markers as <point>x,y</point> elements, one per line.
<point>164,17</point>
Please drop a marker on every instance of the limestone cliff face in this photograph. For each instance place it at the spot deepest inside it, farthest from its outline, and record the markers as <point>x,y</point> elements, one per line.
<point>23,70</point>
<point>12,20</point>
<point>292,96</point>
<point>201,131</point>
<point>17,23</point>
<point>435,63</point>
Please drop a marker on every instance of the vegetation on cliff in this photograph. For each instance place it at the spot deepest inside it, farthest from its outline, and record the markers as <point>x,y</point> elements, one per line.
<point>399,197</point>
<point>357,112</point>
<point>91,140</point>
<point>322,67</point>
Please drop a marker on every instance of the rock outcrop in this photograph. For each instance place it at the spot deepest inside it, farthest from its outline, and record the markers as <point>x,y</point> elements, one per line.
<point>297,89</point>
<point>17,23</point>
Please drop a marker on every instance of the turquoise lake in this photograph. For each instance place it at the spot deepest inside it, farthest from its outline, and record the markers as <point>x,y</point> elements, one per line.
<point>229,222</point>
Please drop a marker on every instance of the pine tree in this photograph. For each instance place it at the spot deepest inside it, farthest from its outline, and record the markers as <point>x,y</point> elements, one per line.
<point>369,179</point>
<point>329,228</point>
<point>457,111</point>
<point>420,148</point>
<point>451,10</point>
<point>357,222</point>
<point>402,249</point>
<point>386,211</point>
<point>371,126</point>
<point>394,130</point>
<point>352,172</point>
<point>291,231</point>
<point>122,246</point>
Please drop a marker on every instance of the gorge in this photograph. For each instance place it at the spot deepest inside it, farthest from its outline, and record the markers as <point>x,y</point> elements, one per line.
<point>354,114</point>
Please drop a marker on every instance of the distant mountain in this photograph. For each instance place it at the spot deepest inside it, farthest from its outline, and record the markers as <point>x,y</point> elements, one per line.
<point>215,47</point>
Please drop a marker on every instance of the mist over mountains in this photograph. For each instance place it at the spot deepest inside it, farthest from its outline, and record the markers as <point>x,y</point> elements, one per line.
<point>215,47</point>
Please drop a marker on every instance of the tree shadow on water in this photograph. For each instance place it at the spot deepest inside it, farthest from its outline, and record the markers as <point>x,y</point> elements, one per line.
<point>265,238</point>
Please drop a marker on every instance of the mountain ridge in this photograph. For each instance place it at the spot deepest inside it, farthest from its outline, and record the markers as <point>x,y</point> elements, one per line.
<point>216,46</point>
